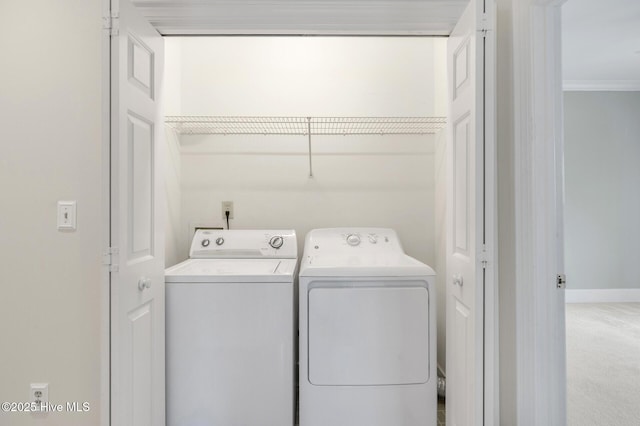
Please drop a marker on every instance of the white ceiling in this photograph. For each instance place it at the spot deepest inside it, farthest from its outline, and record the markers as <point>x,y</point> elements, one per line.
<point>344,17</point>
<point>601,44</point>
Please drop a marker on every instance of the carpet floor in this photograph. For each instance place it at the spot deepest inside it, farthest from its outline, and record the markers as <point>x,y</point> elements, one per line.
<point>603,364</point>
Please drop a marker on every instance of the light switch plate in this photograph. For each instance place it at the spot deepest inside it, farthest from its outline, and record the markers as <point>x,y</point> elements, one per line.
<point>67,215</point>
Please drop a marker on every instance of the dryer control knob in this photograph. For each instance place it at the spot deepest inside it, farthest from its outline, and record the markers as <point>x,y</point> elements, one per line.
<point>205,242</point>
<point>373,239</point>
<point>219,241</point>
<point>276,242</point>
<point>353,239</point>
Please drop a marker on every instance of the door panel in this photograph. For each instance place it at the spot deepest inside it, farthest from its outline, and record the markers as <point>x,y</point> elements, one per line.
<point>368,336</point>
<point>140,177</point>
<point>461,190</point>
<point>141,351</point>
<point>140,68</point>
<point>460,411</point>
<point>461,64</point>
<point>137,273</point>
<point>467,211</point>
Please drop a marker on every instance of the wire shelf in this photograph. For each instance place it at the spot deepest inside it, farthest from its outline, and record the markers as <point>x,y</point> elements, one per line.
<point>227,125</point>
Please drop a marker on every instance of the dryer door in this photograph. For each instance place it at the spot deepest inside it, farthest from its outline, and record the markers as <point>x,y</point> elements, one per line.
<point>369,334</point>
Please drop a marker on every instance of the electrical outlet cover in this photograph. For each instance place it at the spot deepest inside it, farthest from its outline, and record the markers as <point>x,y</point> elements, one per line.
<point>227,206</point>
<point>39,394</point>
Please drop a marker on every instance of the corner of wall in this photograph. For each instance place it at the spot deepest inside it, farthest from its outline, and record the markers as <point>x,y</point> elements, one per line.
<point>440,243</point>
<point>173,209</point>
<point>506,213</point>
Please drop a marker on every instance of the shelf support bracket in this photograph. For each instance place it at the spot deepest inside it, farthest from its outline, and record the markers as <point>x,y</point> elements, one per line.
<point>309,134</point>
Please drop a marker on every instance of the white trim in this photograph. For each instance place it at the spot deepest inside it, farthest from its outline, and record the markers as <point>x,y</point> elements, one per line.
<point>539,305</point>
<point>308,17</point>
<point>165,31</point>
<point>105,188</point>
<point>611,295</point>
<point>491,300</point>
<point>601,85</point>
<point>548,3</point>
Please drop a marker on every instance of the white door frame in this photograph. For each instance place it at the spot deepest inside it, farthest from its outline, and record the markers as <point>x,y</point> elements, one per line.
<point>537,172</point>
<point>538,206</point>
<point>105,281</point>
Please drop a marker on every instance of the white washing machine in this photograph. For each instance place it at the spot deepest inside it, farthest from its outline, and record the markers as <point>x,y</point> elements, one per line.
<point>367,331</point>
<point>230,324</point>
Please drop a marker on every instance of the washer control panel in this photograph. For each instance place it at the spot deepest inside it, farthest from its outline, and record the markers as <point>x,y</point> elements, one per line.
<point>276,242</point>
<point>244,244</point>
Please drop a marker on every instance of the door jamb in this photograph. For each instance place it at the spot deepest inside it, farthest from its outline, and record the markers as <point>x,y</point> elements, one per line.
<point>491,319</point>
<point>105,275</point>
<point>538,167</point>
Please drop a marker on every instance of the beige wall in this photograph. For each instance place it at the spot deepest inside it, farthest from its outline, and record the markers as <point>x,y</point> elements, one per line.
<point>50,282</point>
<point>173,231</point>
<point>311,76</point>
<point>172,98</point>
<point>358,181</point>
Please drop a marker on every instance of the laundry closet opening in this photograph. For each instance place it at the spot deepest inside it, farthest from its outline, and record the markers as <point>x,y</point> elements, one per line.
<point>377,170</point>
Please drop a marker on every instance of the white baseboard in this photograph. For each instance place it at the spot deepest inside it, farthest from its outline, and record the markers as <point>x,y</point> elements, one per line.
<point>602,295</point>
<point>601,85</point>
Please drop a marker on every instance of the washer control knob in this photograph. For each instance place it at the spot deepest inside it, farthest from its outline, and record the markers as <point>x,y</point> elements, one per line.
<point>276,242</point>
<point>353,239</point>
<point>373,239</point>
<point>205,242</point>
<point>219,241</point>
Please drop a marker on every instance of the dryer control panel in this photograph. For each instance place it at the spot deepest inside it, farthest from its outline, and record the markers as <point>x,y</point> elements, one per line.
<point>244,244</point>
<point>338,241</point>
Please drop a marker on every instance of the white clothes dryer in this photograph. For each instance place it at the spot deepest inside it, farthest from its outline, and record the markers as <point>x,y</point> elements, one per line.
<point>367,331</point>
<point>230,324</point>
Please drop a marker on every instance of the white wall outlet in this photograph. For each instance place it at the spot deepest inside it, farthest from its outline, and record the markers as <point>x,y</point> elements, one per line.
<point>66,215</point>
<point>39,394</point>
<point>227,206</point>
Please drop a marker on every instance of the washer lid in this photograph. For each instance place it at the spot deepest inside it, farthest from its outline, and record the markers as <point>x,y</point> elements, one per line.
<point>231,270</point>
<point>364,266</point>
